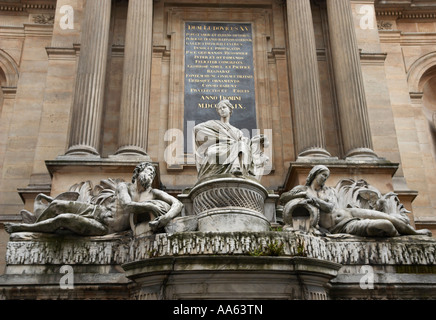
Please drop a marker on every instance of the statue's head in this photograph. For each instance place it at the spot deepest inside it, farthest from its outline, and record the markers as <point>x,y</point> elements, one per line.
<point>144,171</point>
<point>223,103</point>
<point>315,172</point>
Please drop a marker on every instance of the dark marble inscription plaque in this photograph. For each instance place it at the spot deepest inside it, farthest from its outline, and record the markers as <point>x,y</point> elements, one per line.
<point>219,65</point>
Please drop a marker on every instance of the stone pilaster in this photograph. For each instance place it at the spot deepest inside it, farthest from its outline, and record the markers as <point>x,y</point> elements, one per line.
<point>90,82</point>
<point>353,112</point>
<point>306,90</point>
<point>135,101</point>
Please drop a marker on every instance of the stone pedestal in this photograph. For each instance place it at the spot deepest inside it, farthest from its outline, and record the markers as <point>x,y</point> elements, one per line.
<point>229,204</point>
<point>67,171</point>
<point>227,277</point>
<point>377,172</point>
<point>63,267</point>
<point>225,265</point>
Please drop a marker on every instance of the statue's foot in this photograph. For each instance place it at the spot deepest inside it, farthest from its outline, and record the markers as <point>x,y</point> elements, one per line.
<point>424,232</point>
<point>10,228</point>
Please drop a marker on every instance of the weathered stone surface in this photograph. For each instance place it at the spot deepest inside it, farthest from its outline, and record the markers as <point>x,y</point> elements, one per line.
<point>230,204</point>
<point>351,207</point>
<point>284,265</point>
<point>259,278</point>
<point>26,249</point>
<point>110,207</point>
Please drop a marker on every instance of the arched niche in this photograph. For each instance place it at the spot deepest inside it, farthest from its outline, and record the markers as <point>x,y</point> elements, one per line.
<point>9,70</point>
<point>2,83</point>
<point>421,71</point>
<point>422,83</point>
<point>428,84</point>
<point>2,78</point>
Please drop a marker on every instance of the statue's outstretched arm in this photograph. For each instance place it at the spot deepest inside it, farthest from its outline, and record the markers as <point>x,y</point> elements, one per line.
<point>176,205</point>
<point>175,210</point>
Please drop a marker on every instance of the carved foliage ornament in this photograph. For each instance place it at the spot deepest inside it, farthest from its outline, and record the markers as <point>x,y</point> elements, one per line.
<point>44,19</point>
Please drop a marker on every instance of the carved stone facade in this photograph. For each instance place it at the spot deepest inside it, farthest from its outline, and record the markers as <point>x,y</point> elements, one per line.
<point>339,259</point>
<point>407,251</point>
<point>90,90</point>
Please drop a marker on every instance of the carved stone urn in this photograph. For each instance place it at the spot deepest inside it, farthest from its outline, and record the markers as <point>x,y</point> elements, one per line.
<point>230,205</point>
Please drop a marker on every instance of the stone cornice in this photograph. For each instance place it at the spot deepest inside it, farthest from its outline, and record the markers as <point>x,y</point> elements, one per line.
<point>38,30</point>
<point>412,9</point>
<point>27,5</point>
<point>9,92</point>
<point>57,53</point>
<point>10,218</point>
<point>32,249</point>
<point>408,38</point>
<point>407,15</point>
<point>373,58</point>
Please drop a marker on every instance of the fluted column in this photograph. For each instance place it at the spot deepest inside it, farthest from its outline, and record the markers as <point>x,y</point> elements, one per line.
<point>90,81</point>
<point>306,91</point>
<point>135,100</point>
<point>353,112</point>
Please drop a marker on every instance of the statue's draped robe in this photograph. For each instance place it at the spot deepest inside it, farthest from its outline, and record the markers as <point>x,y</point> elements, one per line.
<point>220,148</point>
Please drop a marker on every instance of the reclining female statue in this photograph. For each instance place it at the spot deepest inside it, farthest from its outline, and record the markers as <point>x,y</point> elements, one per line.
<point>349,220</point>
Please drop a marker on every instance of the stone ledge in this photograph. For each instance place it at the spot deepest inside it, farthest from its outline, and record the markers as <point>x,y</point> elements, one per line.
<point>230,263</point>
<point>299,170</point>
<point>240,265</point>
<point>25,249</point>
<point>234,277</point>
<point>94,165</point>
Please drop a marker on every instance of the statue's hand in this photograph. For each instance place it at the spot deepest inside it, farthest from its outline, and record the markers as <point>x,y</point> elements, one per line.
<point>313,201</point>
<point>158,223</point>
<point>154,225</point>
<point>158,211</point>
<point>310,200</point>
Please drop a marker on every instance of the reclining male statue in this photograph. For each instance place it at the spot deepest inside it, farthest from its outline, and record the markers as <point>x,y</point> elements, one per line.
<point>107,212</point>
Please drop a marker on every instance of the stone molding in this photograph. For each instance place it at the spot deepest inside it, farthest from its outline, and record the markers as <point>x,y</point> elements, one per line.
<point>400,14</point>
<point>241,278</point>
<point>368,58</point>
<point>26,6</point>
<point>43,19</point>
<point>11,70</point>
<point>9,92</point>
